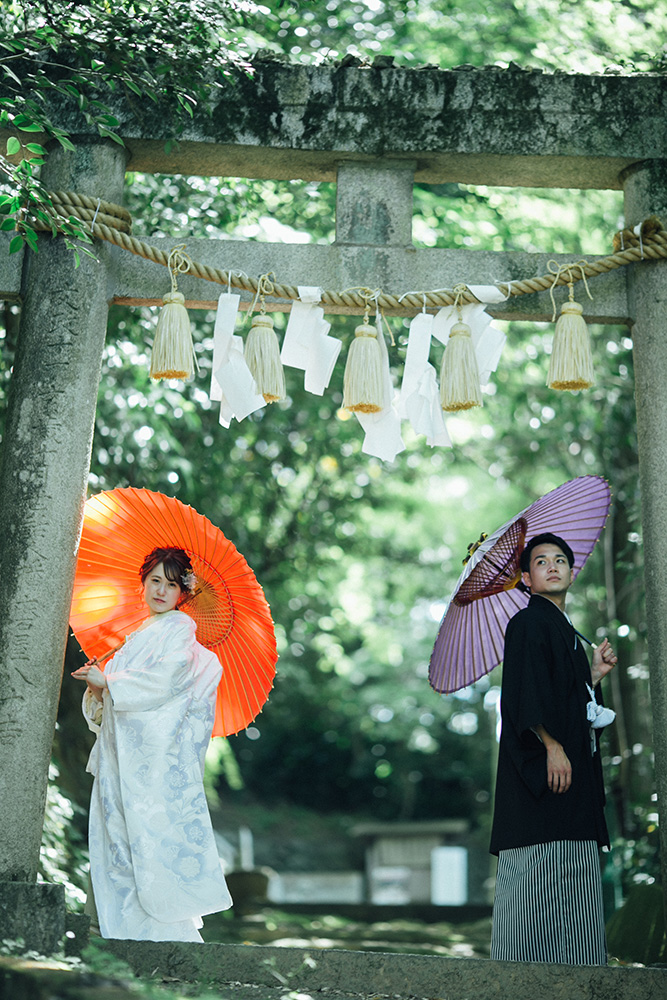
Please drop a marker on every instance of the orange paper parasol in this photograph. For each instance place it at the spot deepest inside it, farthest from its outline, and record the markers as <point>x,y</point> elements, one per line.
<point>233,619</point>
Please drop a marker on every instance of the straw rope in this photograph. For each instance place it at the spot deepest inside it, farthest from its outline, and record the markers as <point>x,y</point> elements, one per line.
<point>113,223</point>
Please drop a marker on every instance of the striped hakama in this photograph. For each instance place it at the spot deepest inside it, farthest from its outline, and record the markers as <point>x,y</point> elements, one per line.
<point>548,905</point>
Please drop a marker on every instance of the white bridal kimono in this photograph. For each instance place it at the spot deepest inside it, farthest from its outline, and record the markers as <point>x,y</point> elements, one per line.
<point>153,861</point>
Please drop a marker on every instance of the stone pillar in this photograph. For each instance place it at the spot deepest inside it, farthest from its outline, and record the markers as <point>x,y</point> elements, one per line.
<point>645,189</point>
<point>43,479</point>
<point>34,913</point>
<point>373,213</point>
<point>374,203</point>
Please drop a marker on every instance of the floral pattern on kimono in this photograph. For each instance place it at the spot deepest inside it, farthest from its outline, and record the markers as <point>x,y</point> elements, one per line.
<point>154,865</point>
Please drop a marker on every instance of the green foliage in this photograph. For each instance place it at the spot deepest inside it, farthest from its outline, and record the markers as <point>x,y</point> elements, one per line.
<point>637,856</point>
<point>64,854</point>
<point>58,58</point>
<point>636,932</point>
<point>265,211</point>
<point>586,36</point>
<point>535,220</point>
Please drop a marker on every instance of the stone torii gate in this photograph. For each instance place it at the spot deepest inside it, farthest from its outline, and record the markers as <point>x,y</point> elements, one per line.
<point>374,131</point>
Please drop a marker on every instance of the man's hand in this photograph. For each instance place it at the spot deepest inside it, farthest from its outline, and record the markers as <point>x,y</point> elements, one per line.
<point>559,769</point>
<point>604,660</point>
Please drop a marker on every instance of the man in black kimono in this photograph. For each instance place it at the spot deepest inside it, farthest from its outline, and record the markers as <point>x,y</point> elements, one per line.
<point>548,819</point>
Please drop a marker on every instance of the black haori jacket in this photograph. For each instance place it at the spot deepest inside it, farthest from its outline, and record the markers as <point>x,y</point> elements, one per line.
<point>544,682</point>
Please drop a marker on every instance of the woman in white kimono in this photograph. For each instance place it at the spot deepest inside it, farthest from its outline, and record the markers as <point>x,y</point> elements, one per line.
<point>154,865</point>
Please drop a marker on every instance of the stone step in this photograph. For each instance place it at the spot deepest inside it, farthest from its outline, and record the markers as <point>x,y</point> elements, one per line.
<point>374,974</point>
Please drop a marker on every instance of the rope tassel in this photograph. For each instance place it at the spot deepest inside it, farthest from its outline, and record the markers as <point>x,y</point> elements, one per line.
<point>571,363</point>
<point>262,354</point>
<point>459,373</point>
<point>262,350</point>
<point>173,353</point>
<point>363,382</point>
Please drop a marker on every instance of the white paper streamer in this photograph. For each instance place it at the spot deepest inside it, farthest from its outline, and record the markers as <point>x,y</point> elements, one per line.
<point>323,353</point>
<point>306,344</point>
<point>295,342</point>
<point>239,392</point>
<point>425,411</point>
<point>226,415</point>
<point>383,430</point>
<point>310,293</point>
<point>487,293</point>
<point>419,400</point>
<point>488,341</point>
<point>225,321</point>
<point>416,358</point>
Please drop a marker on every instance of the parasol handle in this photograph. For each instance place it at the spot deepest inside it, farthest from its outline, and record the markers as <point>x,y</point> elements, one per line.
<point>105,656</point>
<point>593,645</point>
<point>110,653</point>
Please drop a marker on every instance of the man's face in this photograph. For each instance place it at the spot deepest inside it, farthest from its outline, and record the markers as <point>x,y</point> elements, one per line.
<point>550,573</point>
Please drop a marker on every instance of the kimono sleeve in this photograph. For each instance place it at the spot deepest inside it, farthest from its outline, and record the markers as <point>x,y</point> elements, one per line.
<point>530,695</point>
<point>155,669</point>
<point>92,710</point>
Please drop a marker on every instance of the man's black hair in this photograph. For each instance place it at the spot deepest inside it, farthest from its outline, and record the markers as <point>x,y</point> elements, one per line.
<point>546,538</point>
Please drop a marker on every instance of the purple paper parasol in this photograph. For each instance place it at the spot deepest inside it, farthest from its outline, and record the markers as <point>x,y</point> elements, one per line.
<point>471,637</point>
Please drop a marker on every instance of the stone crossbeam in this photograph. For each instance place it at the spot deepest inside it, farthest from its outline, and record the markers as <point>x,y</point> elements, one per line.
<point>394,270</point>
<point>135,281</point>
<point>513,127</point>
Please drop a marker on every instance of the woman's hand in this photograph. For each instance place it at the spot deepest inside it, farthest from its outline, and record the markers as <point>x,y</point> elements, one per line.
<point>604,660</point>
<point>93,676</point>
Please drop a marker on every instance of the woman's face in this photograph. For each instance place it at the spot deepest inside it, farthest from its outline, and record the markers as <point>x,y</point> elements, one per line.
<point>160,593</point>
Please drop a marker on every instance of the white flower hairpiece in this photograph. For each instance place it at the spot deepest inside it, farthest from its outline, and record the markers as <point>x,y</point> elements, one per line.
<point>189,581</point>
